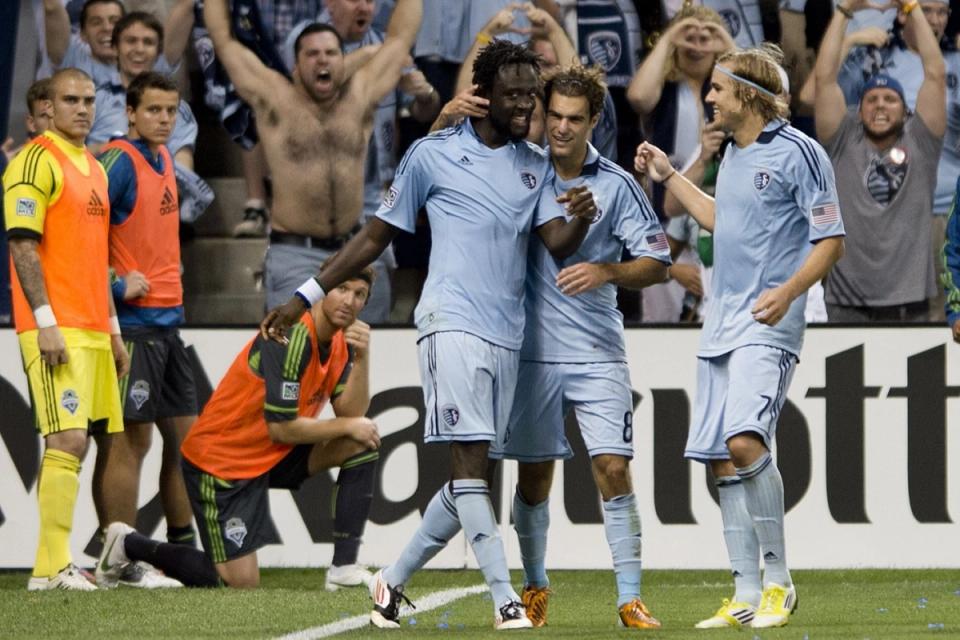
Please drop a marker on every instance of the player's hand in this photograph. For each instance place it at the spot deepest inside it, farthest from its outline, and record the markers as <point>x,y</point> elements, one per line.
<point>711,138</point>
<point>653,162</point>
<point>772,305</point>
<point>53,348</point>
<point>688,275</point>
<point>136,284</point>
<point>120,356</point>
<point>274,326</point>
<point>364,431</point>
<point>357,336</point>
<point>465,104</point>
<point>684,33</point>
<point>868,37</point>
<point>956,331</point>
<point>579,203</point>
<point>579,278</point>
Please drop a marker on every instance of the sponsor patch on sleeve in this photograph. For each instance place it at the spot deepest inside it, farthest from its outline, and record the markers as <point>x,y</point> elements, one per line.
<point>290,391</point>
<point>390,197</point>
<point>26,207</point>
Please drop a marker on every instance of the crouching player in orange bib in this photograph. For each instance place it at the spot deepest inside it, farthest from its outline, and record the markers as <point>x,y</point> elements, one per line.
<point>259,431</point>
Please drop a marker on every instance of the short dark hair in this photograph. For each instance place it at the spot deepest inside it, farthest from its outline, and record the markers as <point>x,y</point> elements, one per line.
<point>498,54</point>
<point>89,3</point>
<point>39,90</point>
<point>578,81</point>
<point>148,80</point>
<point>310,29</point>
<point>148,20</point>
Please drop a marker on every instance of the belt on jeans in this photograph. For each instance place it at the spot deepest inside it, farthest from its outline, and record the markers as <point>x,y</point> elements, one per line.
<point>330,244</point>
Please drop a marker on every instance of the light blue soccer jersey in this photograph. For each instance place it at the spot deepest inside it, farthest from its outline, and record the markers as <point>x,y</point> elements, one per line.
<point>481,204</point>
<point>588,327</point>
<point>774,198</point>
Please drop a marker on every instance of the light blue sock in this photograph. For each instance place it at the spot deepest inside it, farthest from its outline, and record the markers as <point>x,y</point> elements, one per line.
<point>621,523</point>
<point>440,523</point>
<point>531,524</point>
<point>472,498</point>
<point>763,487</point>
<point>742,546</point>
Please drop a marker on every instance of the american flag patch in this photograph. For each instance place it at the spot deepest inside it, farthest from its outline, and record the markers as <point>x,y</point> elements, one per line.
<point>658,242</point>
<point>827,214</point>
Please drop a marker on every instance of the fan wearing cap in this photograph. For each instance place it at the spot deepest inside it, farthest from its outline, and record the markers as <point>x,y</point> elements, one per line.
<point>886,157</point>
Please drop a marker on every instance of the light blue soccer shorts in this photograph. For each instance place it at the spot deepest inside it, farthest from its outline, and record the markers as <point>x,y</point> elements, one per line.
<point>740,391</point>
<point>468,387</point>
<point>598,392</point>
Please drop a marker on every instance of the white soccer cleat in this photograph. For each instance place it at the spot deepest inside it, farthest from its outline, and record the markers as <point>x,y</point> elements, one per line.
<point>141,575</point>
<point>386,602</point>
<point>776,606</point>
<point>37,584</point>
<point>348,575</point>
<point>70,579</point>
<point>730,614</point>
<point>113,559</point>
<point>512,615</point>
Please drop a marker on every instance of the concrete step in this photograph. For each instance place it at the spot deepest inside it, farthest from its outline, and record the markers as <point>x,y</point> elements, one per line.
<point>227,208</point>
<point>225,308</point>
<point>223,265</point>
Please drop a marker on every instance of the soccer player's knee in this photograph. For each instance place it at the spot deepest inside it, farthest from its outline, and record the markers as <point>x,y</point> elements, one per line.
<point>139,439</point>
<point>745,448</point>
<point>614,470</point>
<point>72,441</point>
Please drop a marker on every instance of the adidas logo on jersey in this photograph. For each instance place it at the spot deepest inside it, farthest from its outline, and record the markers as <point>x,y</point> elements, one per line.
<point>464,160</point>
<point>168,203</point>
<point>95,205</point>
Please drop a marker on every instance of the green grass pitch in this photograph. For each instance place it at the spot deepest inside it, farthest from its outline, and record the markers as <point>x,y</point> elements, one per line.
<point>900,604</point>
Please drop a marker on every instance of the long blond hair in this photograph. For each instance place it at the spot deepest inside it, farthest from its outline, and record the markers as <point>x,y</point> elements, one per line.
<point>761,66</point>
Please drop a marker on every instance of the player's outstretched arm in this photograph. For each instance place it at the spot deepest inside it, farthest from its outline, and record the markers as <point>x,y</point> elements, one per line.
<point>362,249</point>
<point>652,161</point>
<point>633,274</point>
<point>354,399</point>
<point>253,80</point>
<point>774,303</point>
<point>381,75</point>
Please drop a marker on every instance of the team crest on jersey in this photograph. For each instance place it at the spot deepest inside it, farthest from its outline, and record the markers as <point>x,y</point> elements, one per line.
<point>733,21</point>
<point>236,531</point>
<point>760,180</point>
<point>605,48</point>
<point>451,415</point>
<point>290,391</point>
<point>140,393</point>
<point>26,207</point>
<point>390,197</point>
<point>528,179</point>
<point>70,401</point>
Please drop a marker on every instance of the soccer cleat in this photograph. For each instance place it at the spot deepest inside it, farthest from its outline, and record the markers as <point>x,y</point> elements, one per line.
<point>534,600</point>
<point>386,602</point>
<point>512,615</point>
<point>348,575</point>
<point>113,558</point>
<point>635,615</point>
<point>253,225</point>
<point>37,584</point>
<point>70,579</point>
<point>776,606</point>
<point>730,614</point>
<point>145,576</point>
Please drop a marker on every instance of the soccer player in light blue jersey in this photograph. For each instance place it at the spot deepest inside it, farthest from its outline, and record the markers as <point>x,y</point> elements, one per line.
<point>483,189</point>
<point>573,355</point>
<point>777,230</point>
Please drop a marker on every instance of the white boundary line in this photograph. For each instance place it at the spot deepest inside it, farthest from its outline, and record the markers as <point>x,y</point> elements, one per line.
<point>426,603</point>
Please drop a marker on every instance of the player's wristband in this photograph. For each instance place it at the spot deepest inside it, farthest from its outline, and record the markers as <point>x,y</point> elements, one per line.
<point>910,6</point>
<point>310,292</point>
<point>43,315</point>
<point>846,12</point>
<point>114,326</point>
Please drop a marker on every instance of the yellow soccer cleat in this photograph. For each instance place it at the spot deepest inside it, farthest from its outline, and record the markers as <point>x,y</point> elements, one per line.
<point>635,615</point>
<point>535,601</point>
<point>730,614</point>
<point>776,606</point>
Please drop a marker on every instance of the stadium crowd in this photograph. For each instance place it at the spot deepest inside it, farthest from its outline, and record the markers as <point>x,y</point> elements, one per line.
<point>330,104</point>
